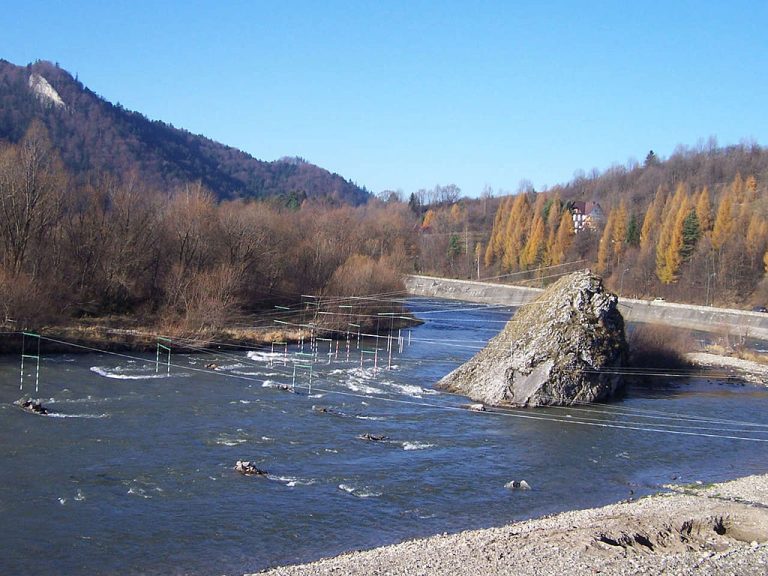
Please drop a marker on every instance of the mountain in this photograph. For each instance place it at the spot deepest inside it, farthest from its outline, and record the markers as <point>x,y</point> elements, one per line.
<point>93,135</point>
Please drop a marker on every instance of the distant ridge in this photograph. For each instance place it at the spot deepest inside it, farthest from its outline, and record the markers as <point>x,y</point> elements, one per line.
<point>93,135</point>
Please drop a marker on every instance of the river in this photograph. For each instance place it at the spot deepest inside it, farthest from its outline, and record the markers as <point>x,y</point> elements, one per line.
<point>132,472</point>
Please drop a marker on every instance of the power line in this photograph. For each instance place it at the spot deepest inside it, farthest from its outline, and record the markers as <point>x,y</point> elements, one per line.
<point>678,429</point>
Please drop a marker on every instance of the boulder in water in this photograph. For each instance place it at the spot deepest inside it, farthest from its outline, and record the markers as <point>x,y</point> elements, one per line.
<point>248,469</point>
<point>34,407</point>
<point>373,437</point>
<point>566,347</point>
<point>517,485</point>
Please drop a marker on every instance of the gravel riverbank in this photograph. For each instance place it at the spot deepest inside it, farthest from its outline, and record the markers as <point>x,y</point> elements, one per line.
<point>719,529</point>
<point>750,371</point>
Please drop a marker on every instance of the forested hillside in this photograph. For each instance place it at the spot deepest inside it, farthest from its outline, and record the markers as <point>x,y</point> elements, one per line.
<point>692,228</point>
<point>93,136</point>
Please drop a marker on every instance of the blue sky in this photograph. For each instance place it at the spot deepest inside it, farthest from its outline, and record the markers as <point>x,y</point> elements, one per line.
<point>407,95</point>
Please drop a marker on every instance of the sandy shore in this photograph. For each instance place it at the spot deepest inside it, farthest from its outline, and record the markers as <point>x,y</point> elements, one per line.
<point>719,529</point>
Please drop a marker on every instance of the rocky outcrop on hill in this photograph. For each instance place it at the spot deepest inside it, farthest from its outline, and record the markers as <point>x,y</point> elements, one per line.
<point>566,347</point>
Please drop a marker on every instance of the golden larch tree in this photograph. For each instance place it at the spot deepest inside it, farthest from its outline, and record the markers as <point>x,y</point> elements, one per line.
<point>496,243</point>
<point>757,231</point>
<point>619,232</point>
<point>552,223</point>
<point>738,189</point>
<point>565,233</point>
<point>534,246</point>
<point>724,220</point>
<point>704,211</point>
<point>604,249</point>
<point>429,219</point>
<point>516,232</point>
<point>670,242</point>
<point>458,214</point>
<point>750,188</point>
<point>675,247</point>
<point>651,222</point>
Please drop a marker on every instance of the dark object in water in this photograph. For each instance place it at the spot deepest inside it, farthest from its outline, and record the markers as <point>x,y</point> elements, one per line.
<point>327,410</point>
<point>373,437</point>
<point>247,469</point>
<point>34,407</point>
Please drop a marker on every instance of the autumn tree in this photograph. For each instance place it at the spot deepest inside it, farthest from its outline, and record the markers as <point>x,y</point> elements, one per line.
<point>533,251</point>
<point>724,221</point>
<point>670,243</point>
<point>458,214</point>
<point>495,248</point>
<point>429,220</point>
<point>756,238</point>
<point>704,211</point>
<point>619,231</point>
<point>651,222</point>
<point>516,233</point>
<point>604,248</point>
<point>563,239</point>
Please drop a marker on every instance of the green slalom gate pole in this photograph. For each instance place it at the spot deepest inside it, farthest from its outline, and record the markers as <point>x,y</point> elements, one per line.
<point>35,357</point>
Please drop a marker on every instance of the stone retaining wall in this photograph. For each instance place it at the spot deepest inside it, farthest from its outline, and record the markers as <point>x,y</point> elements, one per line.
<point>704,318</point>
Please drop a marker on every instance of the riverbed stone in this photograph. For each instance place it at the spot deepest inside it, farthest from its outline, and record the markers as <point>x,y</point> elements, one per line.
<point>566,347</point>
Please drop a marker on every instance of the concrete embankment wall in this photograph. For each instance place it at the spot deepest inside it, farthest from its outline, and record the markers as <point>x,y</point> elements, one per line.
<point>704,318</point>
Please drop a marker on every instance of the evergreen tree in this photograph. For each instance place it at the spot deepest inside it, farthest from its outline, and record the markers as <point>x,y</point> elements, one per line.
<point>633,232</point>
<point>454,246</point>
<point>414,204</point>
<point>691,233</point>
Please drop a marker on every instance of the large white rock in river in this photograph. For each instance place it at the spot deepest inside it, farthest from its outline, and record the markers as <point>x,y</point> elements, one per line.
<point>566,347</point>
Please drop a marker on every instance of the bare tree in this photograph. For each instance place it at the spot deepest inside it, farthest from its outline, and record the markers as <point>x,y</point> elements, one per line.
<point>30,184</point>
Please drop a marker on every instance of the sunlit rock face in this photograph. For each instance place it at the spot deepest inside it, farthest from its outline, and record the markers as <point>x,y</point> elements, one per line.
<point>566,347</point>
<point>44,92</point>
